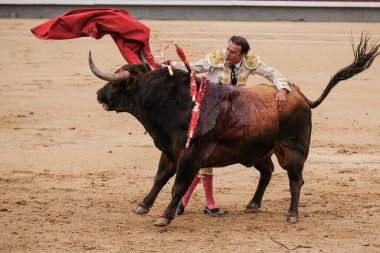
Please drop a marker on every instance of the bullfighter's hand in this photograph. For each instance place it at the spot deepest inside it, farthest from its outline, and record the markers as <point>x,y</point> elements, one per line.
<point>281,99</point>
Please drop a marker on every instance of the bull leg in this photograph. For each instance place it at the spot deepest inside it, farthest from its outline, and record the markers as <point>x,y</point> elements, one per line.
<point>165,171</point>
<point>295,182</point>
<point>292,161</point>
<point>266,168</point>
<point>186,172</point>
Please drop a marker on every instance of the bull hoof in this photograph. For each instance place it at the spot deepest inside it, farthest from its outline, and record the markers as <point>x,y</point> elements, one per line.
<point>291,219</point>
<point>161,222</point>
<point>139,210</point>
<point>252,208</point>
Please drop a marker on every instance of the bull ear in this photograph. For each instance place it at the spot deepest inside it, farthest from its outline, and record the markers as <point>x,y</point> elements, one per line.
<point>131,82</point>
<point>137,71</point>
<point>110,77</point>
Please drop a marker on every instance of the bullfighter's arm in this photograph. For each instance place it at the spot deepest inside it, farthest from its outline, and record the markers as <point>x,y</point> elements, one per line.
<point>272,75</point>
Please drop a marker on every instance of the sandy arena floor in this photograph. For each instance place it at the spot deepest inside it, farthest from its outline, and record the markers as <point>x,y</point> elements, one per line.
<point>71,173</point>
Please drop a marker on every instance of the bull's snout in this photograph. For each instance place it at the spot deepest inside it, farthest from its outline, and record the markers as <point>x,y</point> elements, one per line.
<point>102,100</point>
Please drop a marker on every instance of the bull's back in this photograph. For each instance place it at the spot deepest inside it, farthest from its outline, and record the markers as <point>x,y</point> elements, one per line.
<point>249,112</point>
<point>249,124</point>
<point>294,122</point>
<point>266,94</point>
<point>289,128</point>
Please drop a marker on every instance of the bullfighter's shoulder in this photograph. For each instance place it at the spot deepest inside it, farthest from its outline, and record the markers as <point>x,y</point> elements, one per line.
<point>251,60</point>
<point>216,58</point>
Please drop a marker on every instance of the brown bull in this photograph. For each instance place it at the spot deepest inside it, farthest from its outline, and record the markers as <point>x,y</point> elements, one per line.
<point>235,126</point>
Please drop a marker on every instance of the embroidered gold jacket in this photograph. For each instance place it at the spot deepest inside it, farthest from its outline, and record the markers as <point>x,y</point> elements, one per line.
<point>214,66</point>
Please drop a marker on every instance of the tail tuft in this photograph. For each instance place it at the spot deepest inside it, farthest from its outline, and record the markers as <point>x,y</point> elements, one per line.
<point>365,53</point>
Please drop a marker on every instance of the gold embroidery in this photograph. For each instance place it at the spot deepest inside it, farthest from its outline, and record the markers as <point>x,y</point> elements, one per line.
<point>224,79</point>
<point>251,60</point>
<point>216,58</point>
<point>242,80</point>
<point>205,171</point>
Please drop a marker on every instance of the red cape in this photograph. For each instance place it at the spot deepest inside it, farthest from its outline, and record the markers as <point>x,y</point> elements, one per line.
<point>130,35</point>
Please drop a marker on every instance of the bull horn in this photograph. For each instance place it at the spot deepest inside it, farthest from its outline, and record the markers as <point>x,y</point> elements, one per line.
<point>110,77</point>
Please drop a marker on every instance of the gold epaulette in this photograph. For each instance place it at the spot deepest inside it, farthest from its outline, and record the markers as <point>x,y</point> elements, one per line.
<point>216,58</point>
<point>251,61</point>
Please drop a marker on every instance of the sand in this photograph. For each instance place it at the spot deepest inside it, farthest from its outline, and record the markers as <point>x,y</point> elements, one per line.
<point>71,173</point>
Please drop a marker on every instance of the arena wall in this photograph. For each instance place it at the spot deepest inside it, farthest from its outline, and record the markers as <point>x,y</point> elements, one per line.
<point>354,11</point>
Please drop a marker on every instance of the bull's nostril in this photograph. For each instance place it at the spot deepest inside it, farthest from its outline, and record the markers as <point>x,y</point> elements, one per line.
<point>105,106</point>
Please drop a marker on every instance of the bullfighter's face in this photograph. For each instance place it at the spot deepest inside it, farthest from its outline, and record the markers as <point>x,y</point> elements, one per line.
<point>233,54</point>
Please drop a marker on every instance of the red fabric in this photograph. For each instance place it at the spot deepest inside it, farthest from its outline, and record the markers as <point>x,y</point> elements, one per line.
<point>193,86</point>
<point>208,187</point>
<point>182,55</point>
<point>185,199</point>
<point>207,182</point>
<point>129,34</point>
<point>196,111</point>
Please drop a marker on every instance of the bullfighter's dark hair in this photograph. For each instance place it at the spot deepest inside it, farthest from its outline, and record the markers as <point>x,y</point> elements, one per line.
<point>241,41</point>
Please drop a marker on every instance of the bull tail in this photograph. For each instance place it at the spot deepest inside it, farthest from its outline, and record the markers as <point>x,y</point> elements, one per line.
<point>365,54</point>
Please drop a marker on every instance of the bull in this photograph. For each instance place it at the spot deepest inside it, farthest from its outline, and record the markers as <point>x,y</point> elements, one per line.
<point>236,125</point>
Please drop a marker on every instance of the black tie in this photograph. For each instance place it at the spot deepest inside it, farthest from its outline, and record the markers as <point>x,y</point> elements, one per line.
<point>233,76</point>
